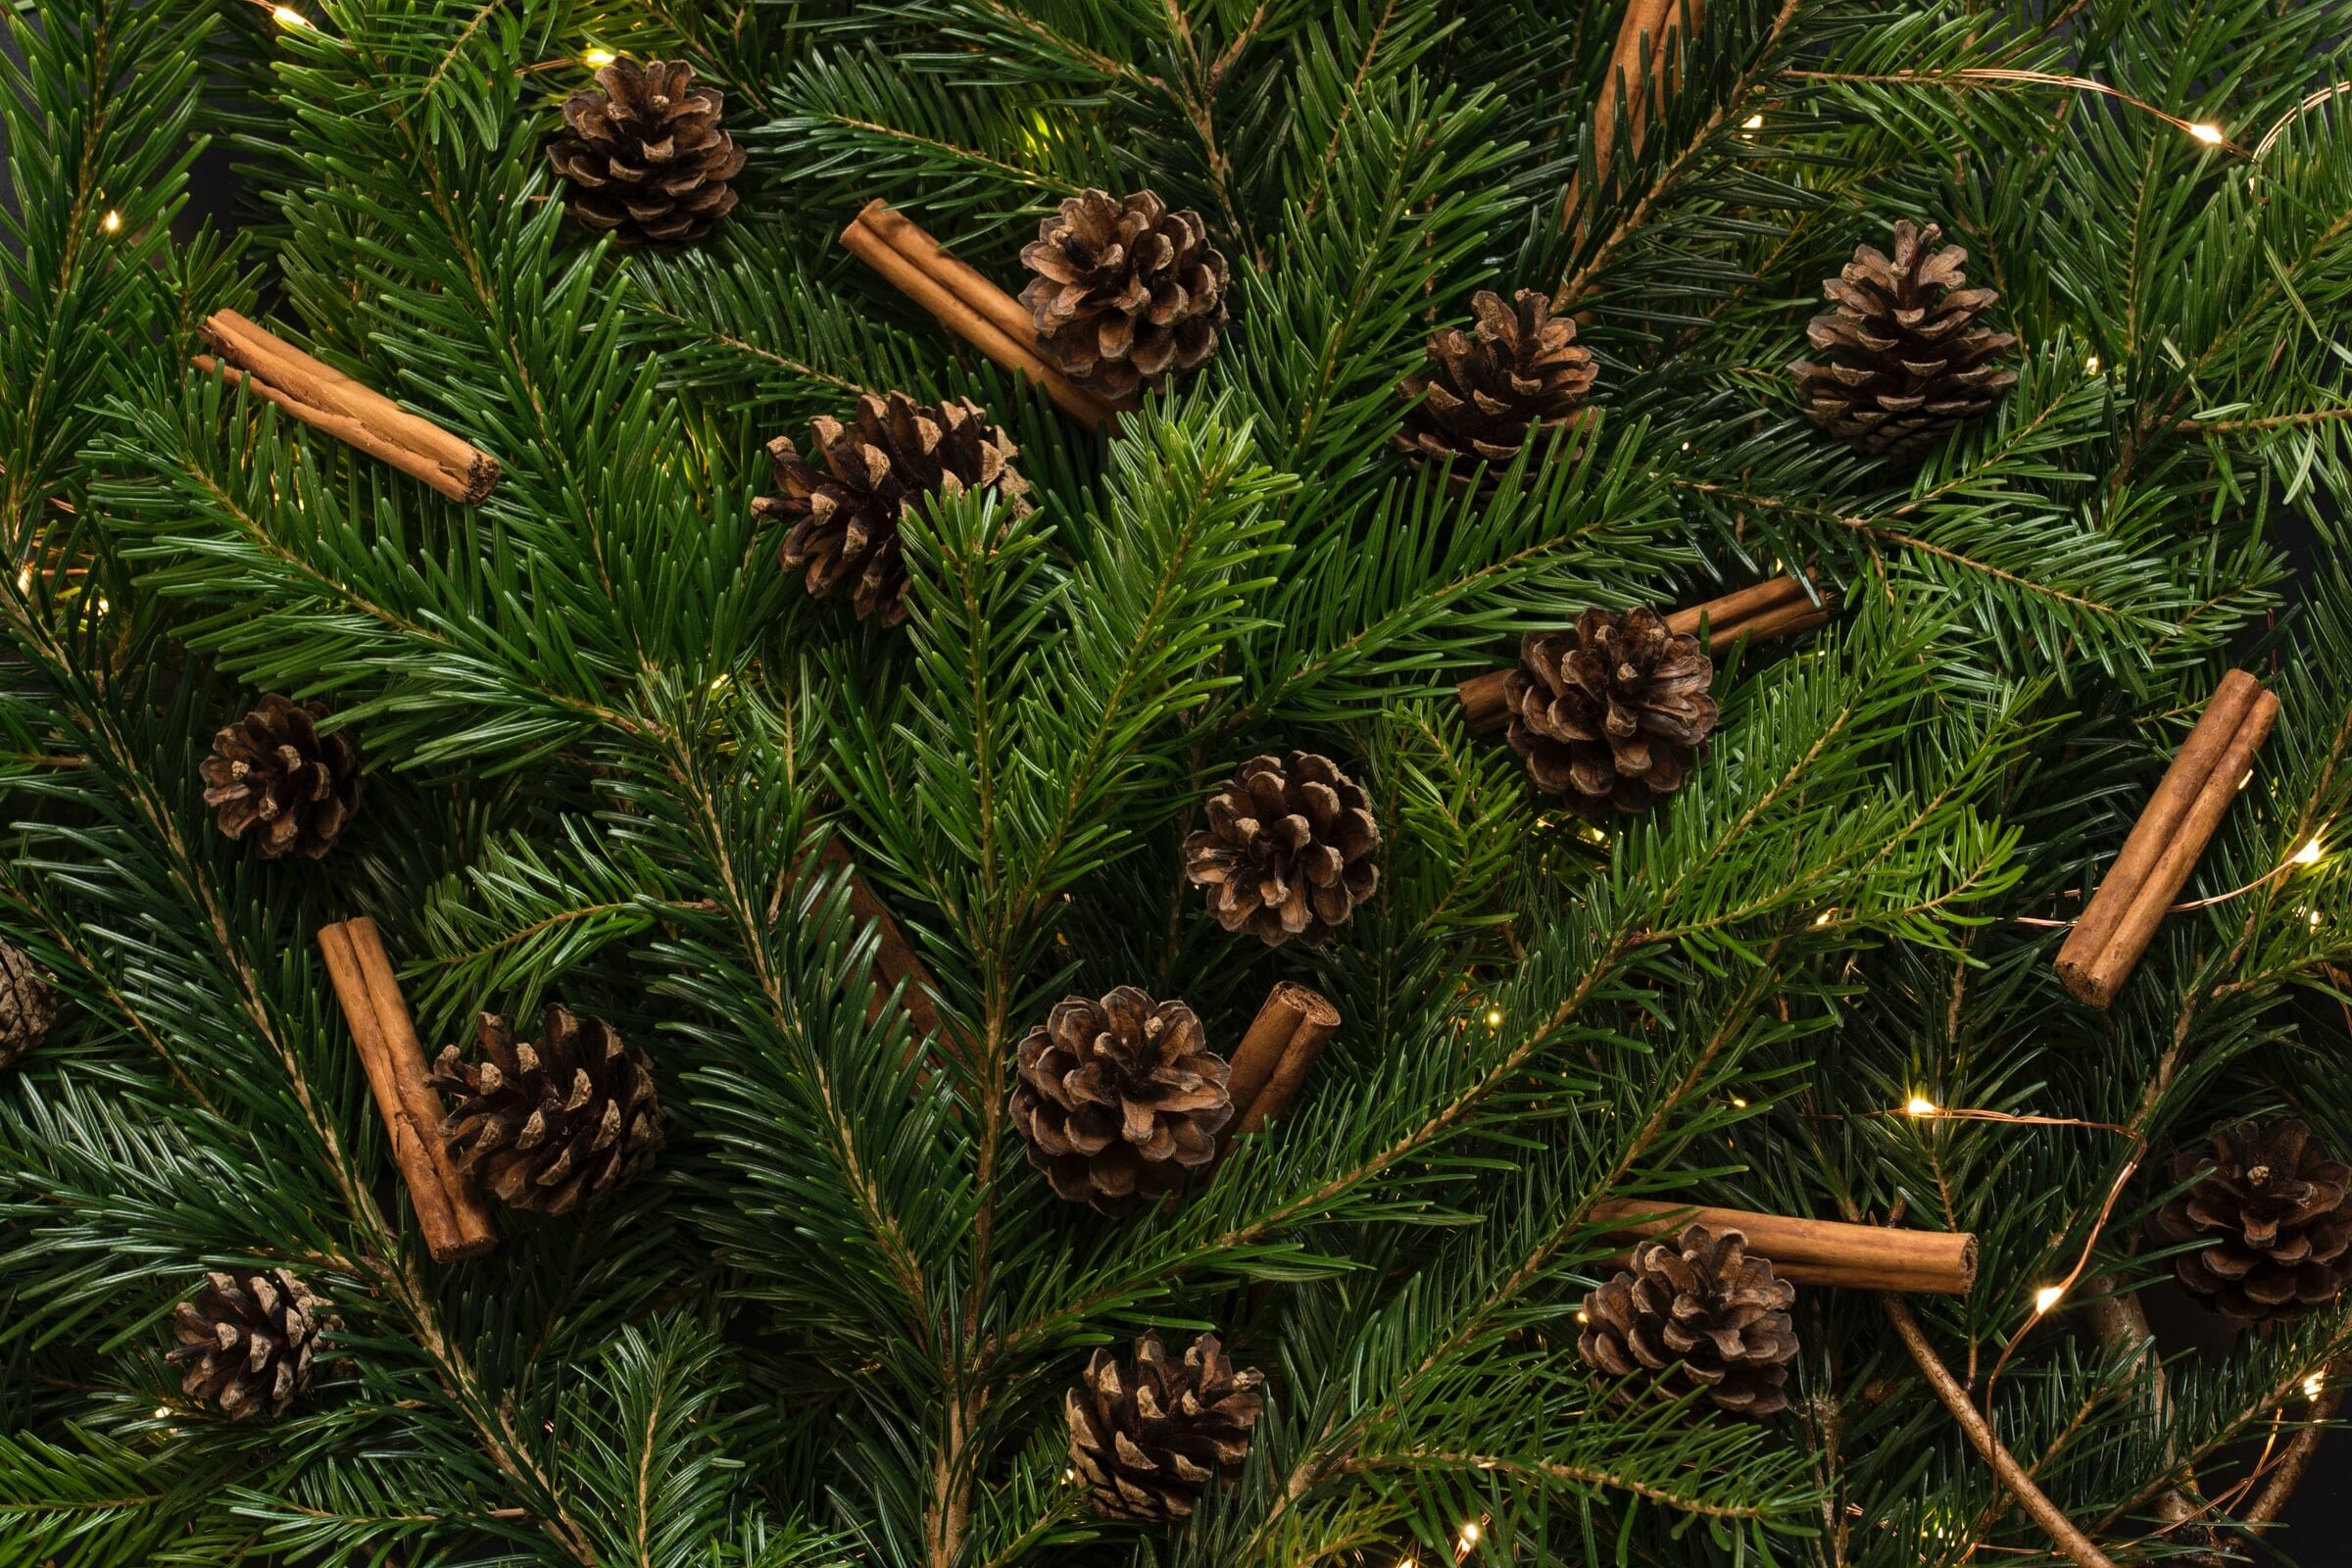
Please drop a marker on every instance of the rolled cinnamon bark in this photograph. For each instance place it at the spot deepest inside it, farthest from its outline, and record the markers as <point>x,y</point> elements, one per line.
<point>2171,836</point>
<point>1317,1021</point>
<point>1651,32</point>
<point>1817,1252</point>
<point>1775,607</point>
<point>322,395</point>
<point>1288,1009</point>
<point>452,1216</point>
<point>968,305</point>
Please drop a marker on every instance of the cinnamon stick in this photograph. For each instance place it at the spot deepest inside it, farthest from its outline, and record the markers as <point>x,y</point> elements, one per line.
<point>2157,861</point>
<point>323,397</point>
<point>1317,1021</point>
<point>1817,1252</point>
<point>894,957</point>
<point>450,1214</point>
<point>1255,1060</point>
<point>966,304</point>
<point>1651,34</point>
<point>1775,607</point>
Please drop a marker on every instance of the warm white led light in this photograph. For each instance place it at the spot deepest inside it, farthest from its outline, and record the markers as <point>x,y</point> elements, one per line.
<point>1469,1536</point>
<point>1493,1018</point>
<point>2091,366</point>
<point>2313,1384</point>
<point>597,59</point>
<point>288,17</point>
<point>2210,135</point>
<point>2047,1297</point>
<point>1738,1104</point>
<point>1753,123</point>
<point>112,222</point>
<point>1919,1105</point>
<point>2309,853</point>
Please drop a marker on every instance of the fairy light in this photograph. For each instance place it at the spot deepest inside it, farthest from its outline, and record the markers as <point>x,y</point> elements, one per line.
<point>2308,855</point>
<point>290,19</point>
<point>1583,1316</point>
<point>2046,1298</point>
<point>1825,918</point>
<point>2091,366</point>
<point>597,59</point>
<point>161,1410</point>
<point>2313,1384</point>
<point>112,222</point>
<point>2210,135</point>
<point>1753,123</point>
<point>1469,1537</point>
<point>25,580</point>
<point>2315,919</point>
<point>1493,1018</point>
<point>1919,1105</point>
<point>1738,1104</point>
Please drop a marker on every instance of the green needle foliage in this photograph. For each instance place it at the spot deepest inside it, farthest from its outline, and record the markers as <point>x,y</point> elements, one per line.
<point>607,737</point>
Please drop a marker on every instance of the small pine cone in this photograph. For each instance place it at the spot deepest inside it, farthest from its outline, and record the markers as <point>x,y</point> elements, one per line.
<point>551,1123</point>
<point>1148,1440</point>
<point>1700,1308</point>
<point>843,505</point>
<point>28,1004</point>
<point>645,160</point>
<point>1903,360</point>
<point>1518,373</point>
<point>2273,1203</point>
<point>248,1340</point>
<point>1119,1097</point>
<point>1611,713</point>
<point>272,768</point>
<point>1287,849</point>
<point>1125,292</point>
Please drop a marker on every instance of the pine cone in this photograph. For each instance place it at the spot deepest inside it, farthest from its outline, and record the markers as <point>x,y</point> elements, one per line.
<point>273,767</point>
<point>1701,1309</point>
<point>28,1004</point>
<point>1518,373</point>
<point>1119,1097</point>
<point>1903,360</point>
<point>1612,712</point>
<point>248,1340</point>
<point>2272,1203</point>
<point>1148,1440</point>
<point>1287,849</point>
<point>548,1124</point>
<point>845,514</point>
<point>645,159</point>
<point>1125,290</point>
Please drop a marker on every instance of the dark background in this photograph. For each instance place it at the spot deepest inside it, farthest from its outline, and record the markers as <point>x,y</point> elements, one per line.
<point>2316,1530</point>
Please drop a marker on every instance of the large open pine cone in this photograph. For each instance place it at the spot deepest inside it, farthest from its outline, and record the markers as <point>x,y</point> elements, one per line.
<point>1148,1439</point>
<point>894,454</point>
<point>1902,360</point>
<point>548,1124</point>
<point>272,768</point>
<point>1119,1097</point>
<point>645,159</point>
<point>28,1004</point>
<point>1287,849</point>
<point>1612,712</point>
<point>1125,292</point>
<point>1518,373</point>
<point>248,1340</point>
<point>1701,1309</point>
<point>2273,1203</point>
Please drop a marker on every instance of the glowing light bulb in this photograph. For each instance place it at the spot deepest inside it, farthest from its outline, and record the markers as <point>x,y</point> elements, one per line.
<point>289,18</point>
<point>2047,1297</point>
<point>2315,919</point>
<point>2313,1384</point>
<point>597,59</point>
<point>2091,366</point>
<point>161,1410</point>
<point>1493,1018</point>
<point>25,580</point>
<point>2309,853</point>
<point>1919,1105</point>
<point>1825,918</point>
<point>1469,1536</point>
<point>1069,1472</point>
<point>2210,135</point>
<point>1738,1104</point>
<point>104,606</point>
<point>1753,123</point>
<point>112,222</point>
<point>1583,1316</point>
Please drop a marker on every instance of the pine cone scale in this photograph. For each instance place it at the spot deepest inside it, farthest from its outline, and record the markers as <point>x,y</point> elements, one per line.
<point>274,770</point>
<point>1148,1443</point>
<point>2275,1210</point>
<point>248,1340</point>
<point>1699,1310</point>
<point>1517,375</point>
<point>1125,291</point>
<point>1117,1097</point>
<point>551,1126</point>
<point>644,158</point>
<point>1611,713</point>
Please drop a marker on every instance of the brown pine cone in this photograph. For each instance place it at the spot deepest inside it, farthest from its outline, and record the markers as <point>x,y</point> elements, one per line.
<point>1698,1308</point>
<point>2272,1202</point>
<point>1903,360</point>
<point>1125,292</point>
<point>1287,849</point>
<point>1518,373</point>
<point>28,1004</point>
<point>551,1123</point>
<point>1148,1439</point>
<point>1119,1097</point>
<point>895,454</point>
<point>272,768</point>
<point>1611,713</point>
<point>248,1340</point>
<point>645,161</point>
